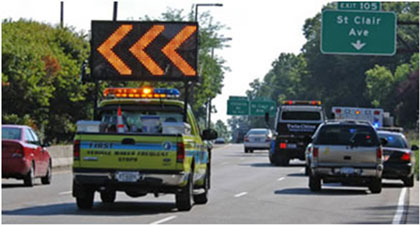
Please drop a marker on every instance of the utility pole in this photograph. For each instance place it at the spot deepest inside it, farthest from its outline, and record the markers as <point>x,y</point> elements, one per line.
<point>61,14</point>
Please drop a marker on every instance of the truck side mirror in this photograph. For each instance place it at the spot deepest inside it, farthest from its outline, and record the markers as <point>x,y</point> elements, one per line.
<point>414,148</point>
<point>209,134</point>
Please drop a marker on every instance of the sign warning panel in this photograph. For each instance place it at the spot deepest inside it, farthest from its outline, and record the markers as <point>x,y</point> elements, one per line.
<point>127,50</point>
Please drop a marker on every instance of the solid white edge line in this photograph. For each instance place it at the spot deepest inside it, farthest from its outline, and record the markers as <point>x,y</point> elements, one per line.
<point>164,220</point>
<point>280,179</point>
<point>241,194</point>
<point>400,209</point>
<point>65,193</point>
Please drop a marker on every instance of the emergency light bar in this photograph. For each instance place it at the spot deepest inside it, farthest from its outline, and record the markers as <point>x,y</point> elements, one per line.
<point>144,92</point>
<point>291,102</point>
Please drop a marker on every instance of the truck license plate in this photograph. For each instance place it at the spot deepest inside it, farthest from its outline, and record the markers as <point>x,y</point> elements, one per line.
<point>291,146</point>
<point>347,170</point>
<point>127,176</point>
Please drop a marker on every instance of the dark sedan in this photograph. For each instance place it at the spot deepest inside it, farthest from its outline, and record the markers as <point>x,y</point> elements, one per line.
<point>399,159</point>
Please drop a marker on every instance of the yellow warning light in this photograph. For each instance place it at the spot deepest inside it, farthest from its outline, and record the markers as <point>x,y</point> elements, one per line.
<point>147,91</point>
<point>357,112</point>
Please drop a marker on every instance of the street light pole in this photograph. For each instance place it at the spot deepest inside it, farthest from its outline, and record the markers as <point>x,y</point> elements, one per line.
<point>196,20</point>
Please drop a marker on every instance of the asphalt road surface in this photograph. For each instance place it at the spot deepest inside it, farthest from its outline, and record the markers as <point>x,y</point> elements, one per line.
<point>246,189</point>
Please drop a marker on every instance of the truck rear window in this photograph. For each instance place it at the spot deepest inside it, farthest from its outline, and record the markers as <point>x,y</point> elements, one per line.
<point>146,120</point>
<point>300,115</point>
<point>347,135</point>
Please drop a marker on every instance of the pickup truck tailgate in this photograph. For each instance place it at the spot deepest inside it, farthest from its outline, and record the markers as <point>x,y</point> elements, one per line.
<point>131,152</point>
<point>344,155</point>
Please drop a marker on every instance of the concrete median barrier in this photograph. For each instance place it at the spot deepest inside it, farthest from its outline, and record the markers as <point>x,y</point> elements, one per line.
<point>62,155</point>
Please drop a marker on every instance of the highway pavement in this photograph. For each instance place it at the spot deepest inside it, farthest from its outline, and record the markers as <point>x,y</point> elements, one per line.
<point>245,189</point>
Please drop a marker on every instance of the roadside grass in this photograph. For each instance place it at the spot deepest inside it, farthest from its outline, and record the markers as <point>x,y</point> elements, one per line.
<point>413,139</point>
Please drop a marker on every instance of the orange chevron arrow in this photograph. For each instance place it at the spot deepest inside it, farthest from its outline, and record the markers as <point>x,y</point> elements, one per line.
<point>177,60</point>
<point>106,49</point>
<point>138,49</point>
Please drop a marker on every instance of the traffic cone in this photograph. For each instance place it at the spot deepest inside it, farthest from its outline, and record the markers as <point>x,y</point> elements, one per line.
<point>120,124</point>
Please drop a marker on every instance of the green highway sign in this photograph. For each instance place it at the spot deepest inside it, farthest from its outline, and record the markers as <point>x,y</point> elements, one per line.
<point>237,107</point>
<point>358,32</point>
<point>259,108</point>
<point>244,98</point>
<point>365,6</point>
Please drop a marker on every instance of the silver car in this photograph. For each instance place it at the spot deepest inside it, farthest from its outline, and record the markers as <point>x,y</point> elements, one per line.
<point>258,138</point>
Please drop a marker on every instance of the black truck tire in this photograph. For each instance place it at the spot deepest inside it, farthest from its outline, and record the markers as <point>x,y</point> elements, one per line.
<point>108,196</point>
<point>202,198</point>
<point>183,198</point>
<point>85,201</point>
<point>314,183</point>
<point>376,186</point>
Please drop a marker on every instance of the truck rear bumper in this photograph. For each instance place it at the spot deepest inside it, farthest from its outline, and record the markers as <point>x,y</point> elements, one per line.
<point>345,172</point>
<point>147,178</point>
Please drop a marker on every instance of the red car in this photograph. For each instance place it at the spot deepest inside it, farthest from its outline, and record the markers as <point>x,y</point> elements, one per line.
<point>23,155</point>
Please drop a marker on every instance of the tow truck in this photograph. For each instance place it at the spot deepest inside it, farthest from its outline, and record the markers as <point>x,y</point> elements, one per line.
<point>295,123</point>
<point>145,141</point>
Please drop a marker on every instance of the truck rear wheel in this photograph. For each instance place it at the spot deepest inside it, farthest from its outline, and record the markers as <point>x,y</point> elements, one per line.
<point>183,198</point>
<point>375,186</point>
<point>314,183</point>
<point>85,201</point>
<point>203,197</point>
<point>108,196</point>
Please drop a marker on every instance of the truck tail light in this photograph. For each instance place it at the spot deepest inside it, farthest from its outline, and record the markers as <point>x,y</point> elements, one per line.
<point>315,152</point>
<point>76,150</point>
<point>406,157</point>
<point>180,152</point>
<point>337,110</point>
<point>379,153</point>
<point>283,145</point>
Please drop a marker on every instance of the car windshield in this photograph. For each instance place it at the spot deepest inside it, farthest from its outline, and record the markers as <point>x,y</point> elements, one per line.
<point>300,115</point>
<point>11,133</point>
<point>394,140</point>
<point>347,135</point>
<point>258,132</point>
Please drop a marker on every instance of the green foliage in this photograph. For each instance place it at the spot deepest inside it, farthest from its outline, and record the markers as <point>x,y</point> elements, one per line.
<point>40,73</point>
<point>222,130</point>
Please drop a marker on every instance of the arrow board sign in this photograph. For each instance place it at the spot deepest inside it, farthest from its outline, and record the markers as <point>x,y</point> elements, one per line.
<point>358,32</point>
<point>127,50</point>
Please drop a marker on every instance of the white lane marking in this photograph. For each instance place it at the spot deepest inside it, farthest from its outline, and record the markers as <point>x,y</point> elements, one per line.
<point>226,146</point>
<point>65,193</point>
<point>400,209</point>
<point>302,170</point>
<point>240,194</point>
<point>164,220</point>
<point>280,179</point>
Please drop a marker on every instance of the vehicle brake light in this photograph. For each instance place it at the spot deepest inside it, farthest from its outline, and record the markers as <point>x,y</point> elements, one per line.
<point>315,152</point>
<point>406,157</point>
<point>377,112</point>
<point>283,145</point>
<point>379,153</point>
<point>180,152</point>
<point>76,150</point>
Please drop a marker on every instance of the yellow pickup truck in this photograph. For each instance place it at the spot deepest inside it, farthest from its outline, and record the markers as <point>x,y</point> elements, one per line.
<point>143,143</point>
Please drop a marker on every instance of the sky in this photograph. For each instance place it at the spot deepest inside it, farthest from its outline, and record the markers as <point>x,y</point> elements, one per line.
<point>260,30</point>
